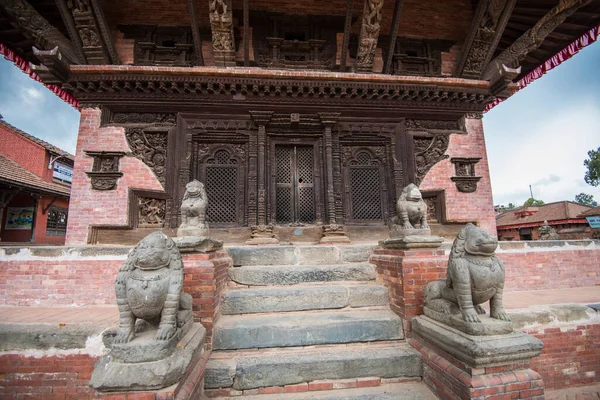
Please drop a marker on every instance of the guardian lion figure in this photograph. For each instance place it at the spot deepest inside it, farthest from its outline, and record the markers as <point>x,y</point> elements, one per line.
<point>149,287</point>
<point>193,210</point>
<point>411,209</point>
<point>474,276</point>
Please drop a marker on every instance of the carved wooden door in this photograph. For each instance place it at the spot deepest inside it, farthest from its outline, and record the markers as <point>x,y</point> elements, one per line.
<point>294,186</point>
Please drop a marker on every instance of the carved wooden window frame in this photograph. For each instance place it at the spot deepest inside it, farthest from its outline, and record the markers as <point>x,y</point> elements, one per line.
<point>198,171</point>
<point>384,182</point>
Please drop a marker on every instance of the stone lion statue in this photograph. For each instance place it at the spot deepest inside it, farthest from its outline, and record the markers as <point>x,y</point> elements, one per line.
<point>411,209</point>
<point>193,210</point>
<point>474,276</point>
<point>149,287</point>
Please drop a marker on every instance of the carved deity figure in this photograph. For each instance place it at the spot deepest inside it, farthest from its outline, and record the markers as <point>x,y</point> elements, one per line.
<point>149,288</point>
<point>474,276</point>
<point>411,209</point>
<point>193,210</point>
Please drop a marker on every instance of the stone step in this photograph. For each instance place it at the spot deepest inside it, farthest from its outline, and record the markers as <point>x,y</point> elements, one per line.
<point>300,298</point>
<point>305,328</point>
<point>299,255</point>
<point>280,367</point>
<point>392,391</point>
<point>263,275</point>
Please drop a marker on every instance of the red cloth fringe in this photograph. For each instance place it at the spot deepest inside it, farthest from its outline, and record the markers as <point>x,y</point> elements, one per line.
<point>585,40</point>
<point>24,66</point>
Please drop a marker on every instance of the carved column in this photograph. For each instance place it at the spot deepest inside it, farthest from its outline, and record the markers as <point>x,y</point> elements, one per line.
<point>504,68</point>
<point>221,23</point>
<point>488,25</point>
<point>369,35</point>
<point>333,232</point>
<point>261,232</point>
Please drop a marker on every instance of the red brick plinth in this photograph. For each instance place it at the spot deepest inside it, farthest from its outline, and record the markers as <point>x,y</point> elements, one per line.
<point>406,273</point>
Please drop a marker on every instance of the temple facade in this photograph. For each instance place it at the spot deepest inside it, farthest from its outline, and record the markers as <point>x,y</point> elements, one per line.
<point>304,120</point>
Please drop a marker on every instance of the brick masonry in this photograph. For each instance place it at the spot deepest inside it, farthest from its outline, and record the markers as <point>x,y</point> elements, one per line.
<point>464,207</point>
<point>102,207</point>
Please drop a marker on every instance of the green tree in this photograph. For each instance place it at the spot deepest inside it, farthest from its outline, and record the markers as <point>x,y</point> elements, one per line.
<point>587,199</point>
<point>533,202</point>
<point>592,175</point>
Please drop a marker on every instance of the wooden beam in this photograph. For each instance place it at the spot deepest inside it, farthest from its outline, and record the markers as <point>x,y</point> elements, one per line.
<point>393,35</point>
<point>489,22</point>
<point>70,24</point>
<point>247,37</point>
<point>107,38</point>
<point>195,34</point>
<point>346,39</point>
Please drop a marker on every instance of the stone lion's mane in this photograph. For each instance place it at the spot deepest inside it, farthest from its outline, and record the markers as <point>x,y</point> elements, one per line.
<point>201,192</point>
<point>458,247</point>
<point>406,191</point>
<point>129,264</point>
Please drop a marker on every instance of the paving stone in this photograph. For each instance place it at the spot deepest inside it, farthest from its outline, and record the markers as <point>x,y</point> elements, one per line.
<point>368,295</point>
<point>292,275</point>
<point>279,368</point>
<point>303,329</point>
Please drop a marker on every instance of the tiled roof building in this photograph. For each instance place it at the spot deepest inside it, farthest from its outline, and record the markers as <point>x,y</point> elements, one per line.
<point>35,186</point>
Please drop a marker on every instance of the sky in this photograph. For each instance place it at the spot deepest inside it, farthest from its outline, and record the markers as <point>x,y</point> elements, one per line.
<point>540,136</point>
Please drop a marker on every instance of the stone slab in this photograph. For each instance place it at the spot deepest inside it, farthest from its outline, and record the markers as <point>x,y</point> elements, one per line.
<point>198,244</point>
<point>280,367</point>
<point>395,391</point>
<point>305,329</point>
<point>487,326</point>
<point>294,298</point>
<point>412,242</point>
<point>219,373</point>
<point>398,231</point>
<point>306,255</point>
<point>111,375</point>
<point>356,253</point>
<point>14,336</point>
<point>478,351</point>
<point>293,275</point>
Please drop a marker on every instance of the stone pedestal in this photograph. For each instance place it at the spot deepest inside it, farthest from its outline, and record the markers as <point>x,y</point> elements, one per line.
<point>334,234</point>
<point>459,365</point>
<point>412,242</point>
<point>262,235</point>
<point>197,244</point>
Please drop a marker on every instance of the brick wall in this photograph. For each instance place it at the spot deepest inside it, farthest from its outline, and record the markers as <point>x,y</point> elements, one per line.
<point>23,151</point>
<point>461,207</point>
<point>570,356</point>
<point>102,207</point>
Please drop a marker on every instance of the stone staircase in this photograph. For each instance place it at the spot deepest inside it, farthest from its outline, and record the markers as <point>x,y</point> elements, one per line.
<point>308,317</point>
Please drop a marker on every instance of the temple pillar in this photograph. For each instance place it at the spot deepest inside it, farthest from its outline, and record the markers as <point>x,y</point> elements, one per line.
<point>221,23</point>
<point>369,35</point>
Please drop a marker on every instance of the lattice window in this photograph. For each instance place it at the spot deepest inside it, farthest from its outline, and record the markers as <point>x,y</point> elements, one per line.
<point>294,193</point>
<point>365,193</point>
<point>57,222</point>
<point>306,196</point>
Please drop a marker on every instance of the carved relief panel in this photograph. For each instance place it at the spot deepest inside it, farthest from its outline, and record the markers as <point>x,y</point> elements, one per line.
<point>105,169</point>
<point>429,150</point>
<point>150,146</point>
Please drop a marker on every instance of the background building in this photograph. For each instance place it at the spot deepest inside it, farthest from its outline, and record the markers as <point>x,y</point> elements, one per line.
<point>35,185</point>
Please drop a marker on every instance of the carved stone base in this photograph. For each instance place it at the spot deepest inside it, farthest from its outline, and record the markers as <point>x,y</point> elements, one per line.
<point>194,232</point>
<point>261,235</point>
<point>397,231</point>
<point>111,374</point>
<point>187,244</point>
<point>457,365</point>
<point>412,242</point>
<point>334,234</point>
<point>488,325</point>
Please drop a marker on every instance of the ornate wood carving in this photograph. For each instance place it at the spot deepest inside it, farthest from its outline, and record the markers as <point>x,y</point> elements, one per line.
<point>151,212</point>
<point>246,32</point>
<point>221,23</point>
<point>436,206</point>
<point>531,40</point>
<point>38,29</point>
<point>465,178</point>
<point>186,89</point>
<point>150,146</point>
<point>195,33</point>
<point>329,120</point>
<point>346,39</point>
<point>428,152</point>
<point>393,36</point>
<point>421,57</point>
<point>488,25</point>
<point>142,118</point>
<point>105,169</point>
<point>67,18</point>
<point>369,35</point>
<point>295,54</point>
<point>436,126</point>
<point>163,45</point>
<point>261,119</point>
